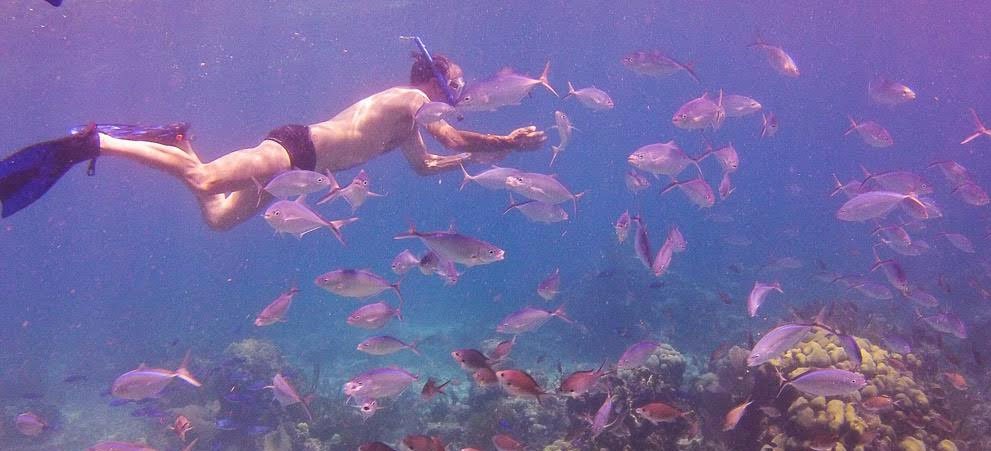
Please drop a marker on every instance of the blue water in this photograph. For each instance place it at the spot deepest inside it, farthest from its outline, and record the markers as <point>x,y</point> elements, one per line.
<point>110,271</point>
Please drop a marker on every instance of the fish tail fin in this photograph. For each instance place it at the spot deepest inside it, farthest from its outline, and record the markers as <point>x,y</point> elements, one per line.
<point>981,129</point>
<point>398,313</point>
<point>690,68</point>
<point>467,177</point>
<point>674,184</point>
<point>838,186</point>
<point>763,125</point>
<point>571,90</point>
<point>916,207</point>
<point>554,151</point>
<point>412,347</point>
<point>853,126</point>
<point>183,372</point>
<point>545,82</point>
<point>333,192</point>
<point>336,225</point>
<point>399,294</point>
<point>306,408</point>
<point>261,188</point>
<point>562,314</point>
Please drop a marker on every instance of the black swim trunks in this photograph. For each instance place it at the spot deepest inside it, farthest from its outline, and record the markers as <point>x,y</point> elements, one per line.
<point>298,144</point>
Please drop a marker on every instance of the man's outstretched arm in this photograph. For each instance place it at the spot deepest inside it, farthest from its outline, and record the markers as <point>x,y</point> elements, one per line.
<point>526,138</point>
<point>426,163</point>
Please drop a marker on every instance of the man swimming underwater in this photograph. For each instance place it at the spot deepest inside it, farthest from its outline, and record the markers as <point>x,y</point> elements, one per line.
<point>224,187</point>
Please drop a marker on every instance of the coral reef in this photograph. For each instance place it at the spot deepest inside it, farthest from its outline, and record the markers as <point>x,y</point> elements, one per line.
<point>893,411</point>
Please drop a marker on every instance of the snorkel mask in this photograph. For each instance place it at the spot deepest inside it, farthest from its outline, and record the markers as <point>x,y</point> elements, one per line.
<point>452,88</point>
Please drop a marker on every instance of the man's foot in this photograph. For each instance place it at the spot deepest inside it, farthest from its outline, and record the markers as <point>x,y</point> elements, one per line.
<point>170,135</point>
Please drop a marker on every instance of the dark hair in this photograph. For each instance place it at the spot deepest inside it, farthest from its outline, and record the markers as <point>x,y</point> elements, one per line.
<point>421,71</point>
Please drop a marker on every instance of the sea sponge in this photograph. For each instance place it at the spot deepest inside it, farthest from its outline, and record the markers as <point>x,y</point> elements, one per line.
<point>946,445</point>
<point>561,445</point>
<point>260,357</point>
<point>911,444</point>
<point>835,415</point>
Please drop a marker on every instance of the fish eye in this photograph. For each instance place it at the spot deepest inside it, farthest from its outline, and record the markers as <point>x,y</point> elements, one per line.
<point>277,212</point>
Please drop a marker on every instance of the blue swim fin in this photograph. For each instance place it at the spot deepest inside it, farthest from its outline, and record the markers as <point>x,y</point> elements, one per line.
<point>30,172</point>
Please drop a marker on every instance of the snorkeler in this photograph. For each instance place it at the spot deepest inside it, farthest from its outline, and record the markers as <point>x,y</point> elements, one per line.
<point>225,188</point>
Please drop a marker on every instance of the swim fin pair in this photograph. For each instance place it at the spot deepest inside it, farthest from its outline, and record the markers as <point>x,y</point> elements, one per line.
<point>30,172</point>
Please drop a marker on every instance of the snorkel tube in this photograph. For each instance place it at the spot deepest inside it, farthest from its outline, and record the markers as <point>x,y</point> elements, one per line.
<point>441,78</point>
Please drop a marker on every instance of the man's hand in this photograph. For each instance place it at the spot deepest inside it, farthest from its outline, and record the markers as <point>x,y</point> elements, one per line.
<point>526,138</point>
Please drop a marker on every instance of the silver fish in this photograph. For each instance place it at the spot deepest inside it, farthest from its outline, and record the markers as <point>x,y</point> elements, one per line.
<point>601,419</point>
<point>564,131</point>
<point>379,383</point>
<point>662,159</point>
<point>297,219</point>
<point>622,226</point>
<point>541,187</point>
<point>877,204</point>
<point>776,342</point>
<point>457,248</point>
<point>641,243</point>
<point>946,323</point>
<point>872,133</point>
<point>431,112</point>
<point>591,97</point>
<point>537,211</point>
<point>529,318</point>
<point>769,125</point>
<point>697,191</point>
<point>385,345</point>
<point>355,283</point>
<point>636,355</point>
<point>740,106</point>
<point>355,193</point>
<point>656,64</point>
<point>404,261</point>
<point>700,113</point>
<point>887,92</point>
<point>758,293</point>
<point>828,382</point>
<point>494,178</point>
<point>502,89</point>
<point>373,316</point>
<point>780,60</point>
<point>550,286</point>
<point>636,182</point>
<point>294,183</point>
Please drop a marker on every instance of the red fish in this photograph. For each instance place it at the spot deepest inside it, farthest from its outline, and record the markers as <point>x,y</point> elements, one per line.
<point>276,311</point>
<point>519,383</point>
<point>956,380</point>
<point>421,443</point>
<point>144,382</point>
<point>503,442</point>
<point>734,415</point>
<point>286,395</point>
<point>431,389</point>
<point>581,382</point>
<point>658,412</point>
<point>485,377</point>
<point>181,426</point>
<point>502,349</point>
<point>123,446</point>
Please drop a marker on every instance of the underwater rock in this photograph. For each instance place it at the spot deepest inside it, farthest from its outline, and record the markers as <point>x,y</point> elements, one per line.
<point>260,357</point>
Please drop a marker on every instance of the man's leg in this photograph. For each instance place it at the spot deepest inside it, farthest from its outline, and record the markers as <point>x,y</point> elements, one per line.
<point>210,182</point>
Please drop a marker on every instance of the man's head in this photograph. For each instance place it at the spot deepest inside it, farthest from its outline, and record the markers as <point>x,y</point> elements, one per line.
<point>421,75</point>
